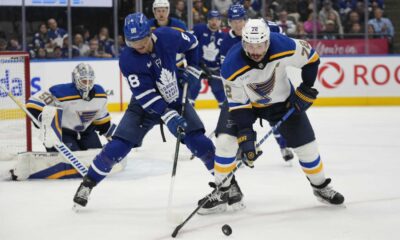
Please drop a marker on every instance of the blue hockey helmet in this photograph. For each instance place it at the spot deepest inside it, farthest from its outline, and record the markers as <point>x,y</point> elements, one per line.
<point>136,27</point>
<point>213,14</point>
<point>236,11</point>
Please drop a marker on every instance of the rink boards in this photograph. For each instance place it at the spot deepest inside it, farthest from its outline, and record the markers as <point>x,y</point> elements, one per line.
<point>341,81</point>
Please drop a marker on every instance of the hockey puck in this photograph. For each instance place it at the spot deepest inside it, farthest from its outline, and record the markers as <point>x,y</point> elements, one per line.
<point>227,230</point>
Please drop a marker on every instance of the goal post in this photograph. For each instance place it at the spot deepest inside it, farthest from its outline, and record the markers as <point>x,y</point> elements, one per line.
<point>15,126</point>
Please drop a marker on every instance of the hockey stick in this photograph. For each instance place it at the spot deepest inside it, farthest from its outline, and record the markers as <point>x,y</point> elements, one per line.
<point>176,155</point>
<point>60,147</point>
<point>206,199</point>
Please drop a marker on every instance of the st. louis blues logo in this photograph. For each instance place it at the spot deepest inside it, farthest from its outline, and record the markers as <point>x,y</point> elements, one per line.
<point>85,117</point>
<point>263,89</point>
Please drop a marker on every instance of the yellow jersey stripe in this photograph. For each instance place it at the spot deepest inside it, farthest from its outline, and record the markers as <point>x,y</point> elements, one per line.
<point>238,72</point>
<point>179,29</point>
<point>314,58</point>
<point>69,98</point>
<point>315,170</point>
<point>100,95</point>
<point>281,54</point>
<point>34,106</point>
<point>259,105</point>
<point>57,125</point>
<point>220,169</point>
<point>102,121</point>
<point>62,174</point>
<point>240,107</point>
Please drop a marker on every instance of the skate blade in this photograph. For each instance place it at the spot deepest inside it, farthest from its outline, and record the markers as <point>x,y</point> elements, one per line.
<point>288,163</point>
<point>218,209</point>
<point>238,206</point>
<point>77,208</point>
<point>325,202</point>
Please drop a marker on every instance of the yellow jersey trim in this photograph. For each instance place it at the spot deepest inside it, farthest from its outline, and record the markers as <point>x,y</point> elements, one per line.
<point>314,58</point>
<point>282,54</point>
<point>62,174</point>
<point>102,121</point>
<point>69,98</point>
<point>315,170</point>
<point>220,169</point>
<point>238,72</point>
<point>34,106</point>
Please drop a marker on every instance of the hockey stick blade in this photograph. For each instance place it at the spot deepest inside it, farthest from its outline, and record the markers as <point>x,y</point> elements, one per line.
<point>270,132</point>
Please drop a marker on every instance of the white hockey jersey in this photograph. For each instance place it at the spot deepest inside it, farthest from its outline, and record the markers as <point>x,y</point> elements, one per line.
<point>78,114</point>
<point>249,84</point>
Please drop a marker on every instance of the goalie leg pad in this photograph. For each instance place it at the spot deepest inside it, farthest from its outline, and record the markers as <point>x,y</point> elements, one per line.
<point>50,129</point>
<point>112,153</point>
<point>311,163</point>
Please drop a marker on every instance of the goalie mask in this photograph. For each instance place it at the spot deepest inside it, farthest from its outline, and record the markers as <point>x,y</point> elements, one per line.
<point>83,78</point>
<point>255,39</point>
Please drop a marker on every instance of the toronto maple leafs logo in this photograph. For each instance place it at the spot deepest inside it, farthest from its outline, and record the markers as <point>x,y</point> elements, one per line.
<point>210,52</point>
<point>168,86</point>
<point>263,89</point>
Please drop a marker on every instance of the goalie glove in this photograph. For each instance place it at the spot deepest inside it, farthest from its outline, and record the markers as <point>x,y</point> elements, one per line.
<point>51,129</point>
<point>247,146</point>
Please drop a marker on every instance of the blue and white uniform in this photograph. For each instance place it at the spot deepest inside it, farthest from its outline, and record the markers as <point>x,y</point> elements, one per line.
<point>80,117</point>
<point>153,81</point>
<point>210,61</point>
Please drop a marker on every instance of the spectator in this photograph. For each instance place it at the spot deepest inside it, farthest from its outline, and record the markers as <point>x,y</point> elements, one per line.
<point>64,49</point>
<point>41,53</point>
<point>57,52</point>
<point>199,12</point>
<point>95,51</point>
<point>288,26</point>
<point>382,26</point>
<point>352,18</point>
<point>55,34</point>
<point>41,38</point>
<point>222,6</point>
<point>371,31</point>
<point>82,47</point>
<point>121,44</point>
<point>326,14</point>
<point>330,32</point>
<point>14,45</point>
<point>3,45</point>
<point>356,31</point>
<point>249,9</point>
<point>180,11</point>
<point>345,7</point>
<point>105,42</point>
<point>309,24</point>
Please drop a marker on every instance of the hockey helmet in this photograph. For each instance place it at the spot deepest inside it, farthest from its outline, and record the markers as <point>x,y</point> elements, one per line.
<point>136,27</point>
<point>160,4</point>
<point>236,11</point>
<point>256,31</point>
<point>83,78</point>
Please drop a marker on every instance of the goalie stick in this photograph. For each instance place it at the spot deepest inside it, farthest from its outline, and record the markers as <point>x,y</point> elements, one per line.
<point>60,147</point>
<point>206,199</point>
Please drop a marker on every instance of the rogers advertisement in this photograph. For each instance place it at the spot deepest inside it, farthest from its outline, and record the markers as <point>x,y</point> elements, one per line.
<point>350,46</point>
<point>356,77</point>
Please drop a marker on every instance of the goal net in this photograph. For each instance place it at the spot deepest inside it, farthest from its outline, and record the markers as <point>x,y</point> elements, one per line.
<point>15,127</point>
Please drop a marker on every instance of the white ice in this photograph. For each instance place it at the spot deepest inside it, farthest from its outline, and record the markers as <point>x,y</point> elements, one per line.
<point>359,147</point>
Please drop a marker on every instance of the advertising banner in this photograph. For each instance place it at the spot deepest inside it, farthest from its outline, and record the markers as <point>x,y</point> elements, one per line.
<point>350,46</point>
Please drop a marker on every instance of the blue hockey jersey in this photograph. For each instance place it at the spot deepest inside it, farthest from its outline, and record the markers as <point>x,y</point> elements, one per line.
<point>209,45</point>
<point>173,23</point>
<point>152,77</point>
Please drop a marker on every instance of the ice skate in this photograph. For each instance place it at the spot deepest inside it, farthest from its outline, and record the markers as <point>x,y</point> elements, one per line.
<point>235,199</point>
<point>82,194</point>
<point>326,194</point>
<point>217,203</point>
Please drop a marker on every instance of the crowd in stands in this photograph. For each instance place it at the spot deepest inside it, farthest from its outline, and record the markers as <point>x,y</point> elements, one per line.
<point>334,19</point>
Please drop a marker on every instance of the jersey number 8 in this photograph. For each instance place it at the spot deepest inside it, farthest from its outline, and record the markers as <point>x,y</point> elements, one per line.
<point>133,80</point>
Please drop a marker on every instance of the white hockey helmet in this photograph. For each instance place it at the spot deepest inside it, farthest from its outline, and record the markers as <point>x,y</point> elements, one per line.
<point>255,31</point>
<point>83,78</point>
<point>160,4</point>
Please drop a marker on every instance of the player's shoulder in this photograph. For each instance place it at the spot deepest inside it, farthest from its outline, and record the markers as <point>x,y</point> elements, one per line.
<point>234,65</point>
<point>99,91</point>
<point>131,61</point>
<point>65,91</point>
<point>280,46</point>
<point>178,24</point>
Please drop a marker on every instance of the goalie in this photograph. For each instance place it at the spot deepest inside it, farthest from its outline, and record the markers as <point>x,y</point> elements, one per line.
<point>71,113</point>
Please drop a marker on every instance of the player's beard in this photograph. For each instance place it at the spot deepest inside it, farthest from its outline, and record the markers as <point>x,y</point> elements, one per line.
<point>256,57</point>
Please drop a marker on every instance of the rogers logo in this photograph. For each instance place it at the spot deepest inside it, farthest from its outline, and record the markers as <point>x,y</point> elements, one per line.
<point>330,75</point>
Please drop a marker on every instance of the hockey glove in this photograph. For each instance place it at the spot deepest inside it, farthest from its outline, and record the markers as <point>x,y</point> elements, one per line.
<point>303,98</point>
<point>247,146</point>
<point>175,122</point>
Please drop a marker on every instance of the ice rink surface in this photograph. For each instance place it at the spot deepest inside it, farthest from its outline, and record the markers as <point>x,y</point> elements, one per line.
<point>359,147</point>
